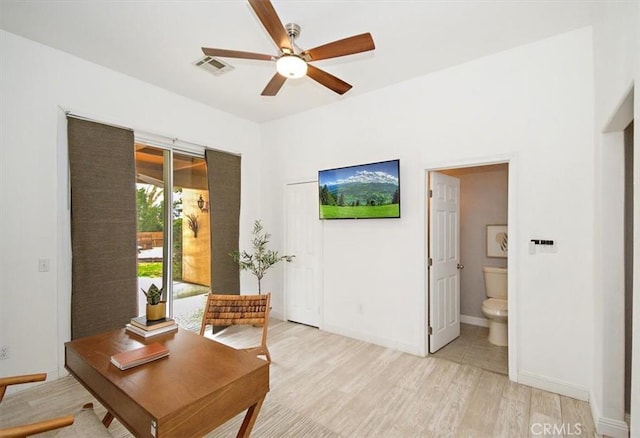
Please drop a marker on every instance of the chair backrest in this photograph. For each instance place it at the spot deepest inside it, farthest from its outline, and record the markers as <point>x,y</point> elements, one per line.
<point>225,310</point>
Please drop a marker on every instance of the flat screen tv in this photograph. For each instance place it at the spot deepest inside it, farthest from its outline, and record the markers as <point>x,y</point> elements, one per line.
<point>365,191</point>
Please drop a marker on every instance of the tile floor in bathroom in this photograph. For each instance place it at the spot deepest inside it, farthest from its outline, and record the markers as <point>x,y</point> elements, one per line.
<point>473,348</point>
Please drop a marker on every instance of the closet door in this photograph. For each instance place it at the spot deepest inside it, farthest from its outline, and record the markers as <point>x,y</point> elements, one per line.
<point>303,278</point>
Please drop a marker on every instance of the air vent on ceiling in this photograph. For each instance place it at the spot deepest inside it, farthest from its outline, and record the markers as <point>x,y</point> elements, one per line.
<point>214,65</point>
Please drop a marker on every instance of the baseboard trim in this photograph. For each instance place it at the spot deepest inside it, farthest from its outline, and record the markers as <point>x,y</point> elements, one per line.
<point>474,320</point>
<point>552,385</point>
<point>381,341</point>
<point>612,428</point>
<point>607,426</point>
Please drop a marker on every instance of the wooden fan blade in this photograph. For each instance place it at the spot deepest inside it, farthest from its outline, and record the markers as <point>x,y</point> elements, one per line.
<point>327,79</point>
<point>236,54</point>
<point>271,22</point>
<point>346,46</point>
<point>274,85</point>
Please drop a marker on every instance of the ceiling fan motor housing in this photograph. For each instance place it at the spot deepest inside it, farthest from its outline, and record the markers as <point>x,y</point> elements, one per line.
<point>293,30</point>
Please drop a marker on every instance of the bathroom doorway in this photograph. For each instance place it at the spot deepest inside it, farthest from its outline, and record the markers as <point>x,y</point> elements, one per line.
<point>484,201</point>
<point>617,279</point>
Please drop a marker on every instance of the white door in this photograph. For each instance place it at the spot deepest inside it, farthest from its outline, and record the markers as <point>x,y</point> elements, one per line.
<point>303,238</point>
<point>444,260</point>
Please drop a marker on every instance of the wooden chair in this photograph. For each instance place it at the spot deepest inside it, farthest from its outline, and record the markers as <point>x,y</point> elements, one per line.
<point>227,310</point>
<point>32,428</point>
<point>88,423</point>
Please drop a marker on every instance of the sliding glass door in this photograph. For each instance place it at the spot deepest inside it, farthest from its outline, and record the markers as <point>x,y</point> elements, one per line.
<point>173,237</point>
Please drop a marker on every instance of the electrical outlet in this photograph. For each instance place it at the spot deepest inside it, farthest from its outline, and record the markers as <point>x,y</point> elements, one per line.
<point>4,352</point>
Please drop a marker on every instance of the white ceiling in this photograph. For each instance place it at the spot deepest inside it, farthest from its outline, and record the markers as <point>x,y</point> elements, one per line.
<point>158,41</point>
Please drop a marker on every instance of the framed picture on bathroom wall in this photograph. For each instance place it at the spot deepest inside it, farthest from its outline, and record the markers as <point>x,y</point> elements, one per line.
<point>497,239</point>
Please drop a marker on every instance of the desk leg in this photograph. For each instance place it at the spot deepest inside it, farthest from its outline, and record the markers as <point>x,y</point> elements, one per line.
<point>250,419</point>
<point>108,418</point>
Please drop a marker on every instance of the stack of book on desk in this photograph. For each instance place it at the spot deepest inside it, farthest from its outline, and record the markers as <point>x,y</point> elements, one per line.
<point>140,326</point>
<point>132,358</point>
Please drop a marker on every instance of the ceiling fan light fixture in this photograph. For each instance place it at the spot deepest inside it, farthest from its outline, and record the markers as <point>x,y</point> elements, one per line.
<point>291,66</point>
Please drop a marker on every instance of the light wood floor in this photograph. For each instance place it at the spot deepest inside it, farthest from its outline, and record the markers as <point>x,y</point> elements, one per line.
<point>325,385</point>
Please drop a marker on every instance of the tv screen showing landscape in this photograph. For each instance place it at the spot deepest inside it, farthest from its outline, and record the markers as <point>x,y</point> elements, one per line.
<point>366,191</point>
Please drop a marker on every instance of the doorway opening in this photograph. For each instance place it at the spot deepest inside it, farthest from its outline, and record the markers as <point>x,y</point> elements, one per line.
<point>618,363</point>
<point>484,192</point>
<point>173,236</point>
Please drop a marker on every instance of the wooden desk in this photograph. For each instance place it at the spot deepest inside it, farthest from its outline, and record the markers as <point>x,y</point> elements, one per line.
<point>201,385</point>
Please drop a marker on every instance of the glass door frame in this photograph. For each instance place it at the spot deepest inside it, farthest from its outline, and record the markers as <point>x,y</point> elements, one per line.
<point>168,151</point>
<point>167,236</point>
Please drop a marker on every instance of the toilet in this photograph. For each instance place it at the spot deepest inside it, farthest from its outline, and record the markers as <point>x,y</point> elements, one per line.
<point>494,307</point>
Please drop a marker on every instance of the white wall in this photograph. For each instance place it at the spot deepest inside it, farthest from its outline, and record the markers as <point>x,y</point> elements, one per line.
<point>616,66</point>
<point>35,80</point>
<point>534,103</point>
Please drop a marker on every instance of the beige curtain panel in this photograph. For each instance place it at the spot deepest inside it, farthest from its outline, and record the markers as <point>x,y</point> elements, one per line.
<point>103,227</point>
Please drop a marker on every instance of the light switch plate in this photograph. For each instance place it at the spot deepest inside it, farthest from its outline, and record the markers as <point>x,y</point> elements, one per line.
<point>43,265</point>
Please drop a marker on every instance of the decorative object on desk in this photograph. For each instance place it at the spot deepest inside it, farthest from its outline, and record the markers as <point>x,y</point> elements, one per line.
<point>262,258</point>
<point>138,356</point>
<point>192,221</point>
<point>497,241</point>
<point>156,306</point>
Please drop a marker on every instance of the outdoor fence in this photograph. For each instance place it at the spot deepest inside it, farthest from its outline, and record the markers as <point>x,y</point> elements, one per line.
<point>149,239</point>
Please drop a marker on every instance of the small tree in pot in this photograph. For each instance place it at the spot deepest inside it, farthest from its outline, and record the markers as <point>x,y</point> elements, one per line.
<point>262,258</point>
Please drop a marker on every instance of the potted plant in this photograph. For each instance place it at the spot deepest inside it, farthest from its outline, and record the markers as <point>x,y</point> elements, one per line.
<point>156,306</point>
<point>262,258</point>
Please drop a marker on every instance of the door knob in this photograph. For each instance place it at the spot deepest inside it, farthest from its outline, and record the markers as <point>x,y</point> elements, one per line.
<point>460,266</point>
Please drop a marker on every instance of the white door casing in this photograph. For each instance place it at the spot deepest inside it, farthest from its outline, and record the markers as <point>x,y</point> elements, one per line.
<point>303,238</point>
<point>444,260</point>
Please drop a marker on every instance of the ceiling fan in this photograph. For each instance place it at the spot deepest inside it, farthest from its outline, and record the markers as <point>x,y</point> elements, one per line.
<point>290,61</point>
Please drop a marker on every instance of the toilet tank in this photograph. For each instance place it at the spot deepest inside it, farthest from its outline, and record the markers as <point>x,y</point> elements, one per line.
<point>495,282</point>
